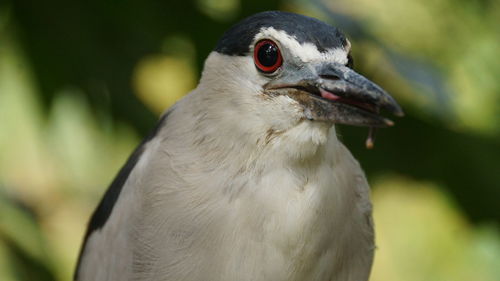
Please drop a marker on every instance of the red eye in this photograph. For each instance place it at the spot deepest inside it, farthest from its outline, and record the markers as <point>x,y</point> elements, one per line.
<point>267,56</point>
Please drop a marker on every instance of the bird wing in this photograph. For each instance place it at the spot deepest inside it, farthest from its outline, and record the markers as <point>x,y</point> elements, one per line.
<point>103,233</point>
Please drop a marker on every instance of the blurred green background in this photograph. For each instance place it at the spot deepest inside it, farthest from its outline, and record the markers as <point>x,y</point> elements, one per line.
<point>82,81</point>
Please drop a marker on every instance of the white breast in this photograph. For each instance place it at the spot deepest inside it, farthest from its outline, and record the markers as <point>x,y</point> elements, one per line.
<point>278,220</point>
<point>257,216</point>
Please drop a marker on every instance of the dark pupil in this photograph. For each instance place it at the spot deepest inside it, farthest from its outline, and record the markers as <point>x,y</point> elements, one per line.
<point>268,54</point>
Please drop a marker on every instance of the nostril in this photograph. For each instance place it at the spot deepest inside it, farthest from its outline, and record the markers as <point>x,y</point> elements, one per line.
<point>330,77</point>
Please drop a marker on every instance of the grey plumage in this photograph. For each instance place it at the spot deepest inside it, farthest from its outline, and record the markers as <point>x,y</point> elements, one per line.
<point>244,178</point>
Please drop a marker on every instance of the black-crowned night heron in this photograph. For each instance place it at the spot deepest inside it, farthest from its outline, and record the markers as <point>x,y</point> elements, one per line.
<point>244,178</point>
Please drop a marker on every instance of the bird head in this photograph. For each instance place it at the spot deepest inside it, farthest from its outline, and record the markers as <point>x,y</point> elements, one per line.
<point>284,69</point>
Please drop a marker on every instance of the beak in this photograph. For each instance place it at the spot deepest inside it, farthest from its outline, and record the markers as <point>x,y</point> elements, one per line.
<point>335,93</point>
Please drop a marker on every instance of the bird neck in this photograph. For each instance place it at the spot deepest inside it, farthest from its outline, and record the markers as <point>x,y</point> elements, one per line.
<point>224,136</point>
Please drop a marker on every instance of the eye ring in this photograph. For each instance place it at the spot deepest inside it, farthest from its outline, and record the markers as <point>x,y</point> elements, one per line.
<point>267,56</point>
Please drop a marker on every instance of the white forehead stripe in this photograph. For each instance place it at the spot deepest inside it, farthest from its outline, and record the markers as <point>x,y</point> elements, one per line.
<point>306,51</point>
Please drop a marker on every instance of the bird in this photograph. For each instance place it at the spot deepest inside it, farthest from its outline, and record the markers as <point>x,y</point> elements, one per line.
<point>245,178</point>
